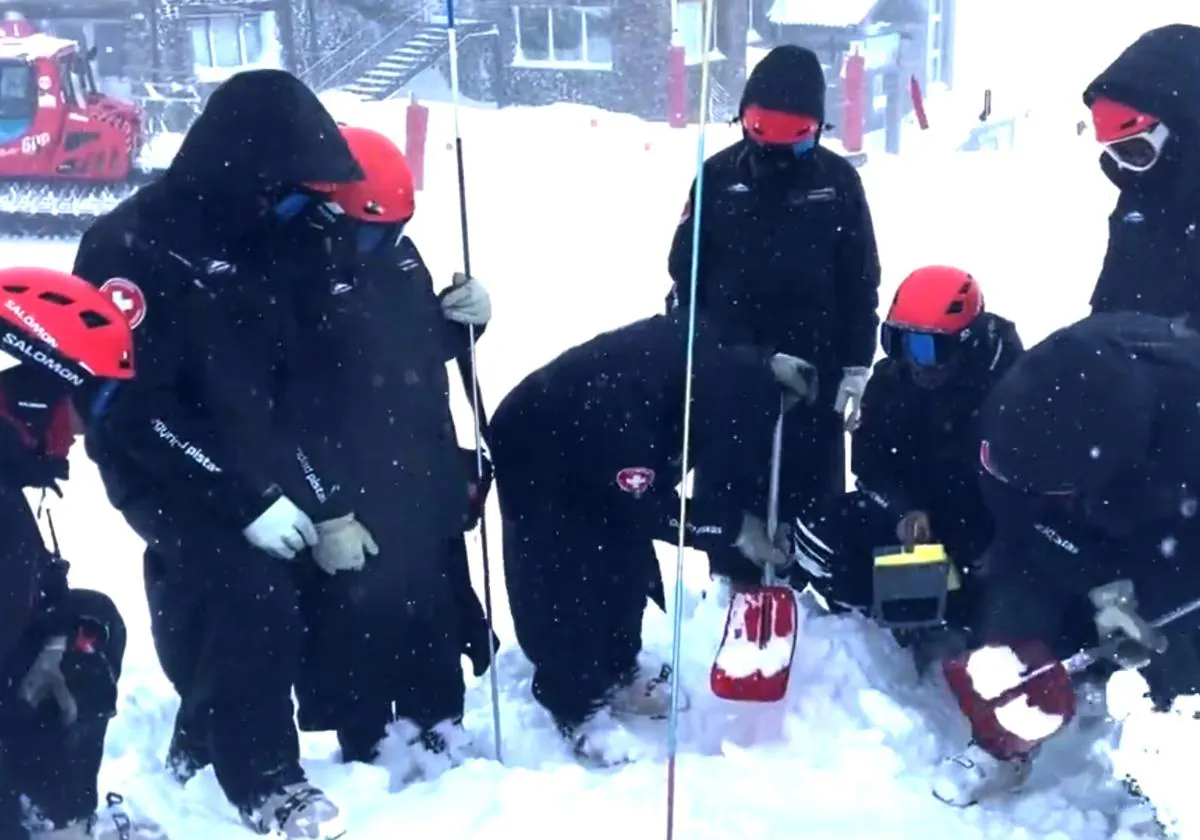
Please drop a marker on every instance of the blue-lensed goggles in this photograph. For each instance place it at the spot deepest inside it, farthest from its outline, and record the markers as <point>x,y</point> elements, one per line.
<point>917,347</point>
<point>920,348</point>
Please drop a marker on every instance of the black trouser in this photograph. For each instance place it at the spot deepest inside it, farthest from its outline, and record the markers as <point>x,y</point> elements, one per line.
<point>226,624</point>
<point>577,599</point>
<point>382,643</point>
<point>56,767</point>
<point>812,474</point>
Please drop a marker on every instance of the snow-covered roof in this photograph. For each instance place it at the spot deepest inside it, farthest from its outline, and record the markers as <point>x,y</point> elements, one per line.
<point>32,46</point>
<point>836,13</point>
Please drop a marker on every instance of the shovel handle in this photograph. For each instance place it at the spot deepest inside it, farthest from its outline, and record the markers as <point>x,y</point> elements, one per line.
<point>773,488</point>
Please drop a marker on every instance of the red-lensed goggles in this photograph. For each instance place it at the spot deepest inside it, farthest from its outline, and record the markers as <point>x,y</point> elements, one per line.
<point>776,128</point>
<point>989,466</point>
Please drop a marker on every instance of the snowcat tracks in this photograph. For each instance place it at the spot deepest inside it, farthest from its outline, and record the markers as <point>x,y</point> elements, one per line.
<point>58,210</point>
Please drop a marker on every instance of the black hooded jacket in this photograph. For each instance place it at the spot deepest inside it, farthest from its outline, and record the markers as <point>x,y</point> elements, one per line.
<point>204,424</point>
<point>918,448</point>
<point>1153,260</point>
<point>1093,448</point>
<point>377,339</point>
<point>787,252</point>
<point>594,436</point>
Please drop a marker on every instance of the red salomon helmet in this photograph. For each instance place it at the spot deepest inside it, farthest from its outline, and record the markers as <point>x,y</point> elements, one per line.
<point>1115,122</point>
<point>386,193</point>
<point>936,299</point>
<point>64,324</point>
<point>776,128</point>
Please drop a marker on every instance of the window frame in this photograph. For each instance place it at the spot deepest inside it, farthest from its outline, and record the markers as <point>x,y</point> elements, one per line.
<point>240,19</point>
<point>552,63</point>
<point>697,56</point>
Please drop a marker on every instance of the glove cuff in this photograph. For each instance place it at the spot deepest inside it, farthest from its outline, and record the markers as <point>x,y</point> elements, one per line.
<point>336,524</point>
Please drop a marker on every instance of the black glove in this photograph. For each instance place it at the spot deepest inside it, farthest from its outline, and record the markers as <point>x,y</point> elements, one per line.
<point>477,493</point>
<point>25,468</point>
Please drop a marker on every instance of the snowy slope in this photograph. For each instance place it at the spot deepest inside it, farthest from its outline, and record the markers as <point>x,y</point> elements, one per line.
<point>572,212</point>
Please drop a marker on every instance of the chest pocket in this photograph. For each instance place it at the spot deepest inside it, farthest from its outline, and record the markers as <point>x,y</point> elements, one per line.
<point>781,239</point>
<point>237,361</point>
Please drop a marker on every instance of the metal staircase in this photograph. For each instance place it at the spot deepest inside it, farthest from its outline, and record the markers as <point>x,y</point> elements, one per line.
<point>379,68</point>
<point>401,65</point>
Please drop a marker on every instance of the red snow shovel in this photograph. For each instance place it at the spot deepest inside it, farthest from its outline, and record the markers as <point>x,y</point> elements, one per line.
<point>754,660</point>
<point>1040,700</point>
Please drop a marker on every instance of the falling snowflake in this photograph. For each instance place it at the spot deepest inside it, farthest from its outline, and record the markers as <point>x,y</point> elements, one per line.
<point>1167,547</point>
<point>1094,452</point>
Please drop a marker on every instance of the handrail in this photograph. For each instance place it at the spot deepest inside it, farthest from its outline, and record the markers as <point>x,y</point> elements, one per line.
<point>317,80</point>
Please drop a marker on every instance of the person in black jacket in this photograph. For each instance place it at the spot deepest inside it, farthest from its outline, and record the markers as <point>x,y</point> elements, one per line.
<point>386,639</point>
<point>1091,452</point>
<point>587,454</point>
<point>916,453</point>
<point>60,648</point>
<point>787,260</point>
<point>203,454</point>
<point>1146,111</point>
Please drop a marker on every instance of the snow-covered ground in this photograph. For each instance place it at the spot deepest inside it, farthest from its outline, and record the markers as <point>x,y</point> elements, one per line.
<point>571,215</point>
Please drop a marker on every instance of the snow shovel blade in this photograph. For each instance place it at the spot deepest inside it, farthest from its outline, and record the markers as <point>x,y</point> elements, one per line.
<point>754,661</point>
<point>1014,696</point>
<point>911,586</point>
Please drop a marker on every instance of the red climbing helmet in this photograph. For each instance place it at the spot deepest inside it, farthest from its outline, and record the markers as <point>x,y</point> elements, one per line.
<point>64,325</point>
<point>386,193</point>
<point>931,316</point>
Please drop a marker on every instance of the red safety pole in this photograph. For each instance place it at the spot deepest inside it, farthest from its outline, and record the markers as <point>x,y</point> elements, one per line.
<point>415,135</point>
<point>918,101</point>
<point>677,110</point>
<point>854,103</point>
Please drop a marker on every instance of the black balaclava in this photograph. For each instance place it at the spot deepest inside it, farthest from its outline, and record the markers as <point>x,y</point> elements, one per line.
<point>789,80</point>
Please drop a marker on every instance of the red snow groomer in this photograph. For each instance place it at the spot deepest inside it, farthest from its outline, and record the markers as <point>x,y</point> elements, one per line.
<point>68,153</point>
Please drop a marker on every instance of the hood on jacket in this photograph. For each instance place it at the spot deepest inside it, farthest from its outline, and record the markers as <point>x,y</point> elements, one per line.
<point>260,130</point>
<point>1158,74</point>
<point>788,79</point>
<point>1081,407</point>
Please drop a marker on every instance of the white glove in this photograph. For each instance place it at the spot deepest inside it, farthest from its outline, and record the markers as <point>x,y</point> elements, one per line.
<point>283,530</point>
<point>848,402</point>
<point>467,302</point>
<point>45,681</point>
<point>1117,619</point>
<point>798,378</point>
<point>756,546</point>
<point>344,545</point>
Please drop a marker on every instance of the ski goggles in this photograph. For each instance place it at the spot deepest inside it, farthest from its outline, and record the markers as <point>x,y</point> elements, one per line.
<point>988,463</point>
<point>921,348</point>
<point>776,128</point>
<point>1140,151</point>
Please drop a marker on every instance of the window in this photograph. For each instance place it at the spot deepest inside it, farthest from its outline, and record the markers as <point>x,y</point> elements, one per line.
<point>570,37</point>
<point>227,41</point>
<point>77,80</point>
<point>689,18</point>
<point>935,70</point>
<point>18,100</point>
